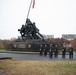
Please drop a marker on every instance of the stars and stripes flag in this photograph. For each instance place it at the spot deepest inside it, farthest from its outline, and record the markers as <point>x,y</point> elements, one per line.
<point>33,5</point>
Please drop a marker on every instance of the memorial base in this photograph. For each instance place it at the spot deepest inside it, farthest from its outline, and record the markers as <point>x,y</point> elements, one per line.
<point>28,45</point>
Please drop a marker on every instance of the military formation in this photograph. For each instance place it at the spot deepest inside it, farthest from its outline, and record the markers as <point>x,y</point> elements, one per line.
<point>52,50</point>
<point>30,31</point>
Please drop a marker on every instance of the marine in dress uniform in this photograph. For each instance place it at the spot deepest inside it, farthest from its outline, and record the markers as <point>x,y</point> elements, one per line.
<point>71,52</point>
<point>63,52</point>
<point>45,50</point>
<point>41,50</point>
<point>50,51</point>
<point>56,51</point>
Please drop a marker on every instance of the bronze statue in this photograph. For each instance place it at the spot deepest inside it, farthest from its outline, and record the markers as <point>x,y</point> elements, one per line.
<point>30,31</point>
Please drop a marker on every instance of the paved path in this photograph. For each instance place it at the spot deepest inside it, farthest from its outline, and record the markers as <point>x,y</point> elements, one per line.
<point>36,57</point>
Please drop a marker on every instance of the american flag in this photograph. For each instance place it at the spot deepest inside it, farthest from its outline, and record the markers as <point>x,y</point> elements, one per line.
<point>33,4</point>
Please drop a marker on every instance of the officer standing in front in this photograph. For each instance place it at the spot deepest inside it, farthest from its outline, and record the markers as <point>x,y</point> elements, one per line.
<point>70,52</point>
<point>63,51</point>
<point>45,50</point>
<point>41,50</point>
<point>50,51</point>
<point>56,51</point>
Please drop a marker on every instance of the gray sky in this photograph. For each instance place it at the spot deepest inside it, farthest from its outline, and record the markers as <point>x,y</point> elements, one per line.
<point>52,17</point>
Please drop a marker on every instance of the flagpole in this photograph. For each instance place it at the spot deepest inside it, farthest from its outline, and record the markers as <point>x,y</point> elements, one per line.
<point>29,9</point>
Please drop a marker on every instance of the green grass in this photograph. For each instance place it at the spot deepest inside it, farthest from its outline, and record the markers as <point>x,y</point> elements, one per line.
<point>2,50</point>
<point>18,52</point>
<point>24,67</point>
<point>24,52</point>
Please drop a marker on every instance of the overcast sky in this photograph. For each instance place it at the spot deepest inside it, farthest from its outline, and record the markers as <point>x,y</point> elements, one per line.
<point>52,17</point>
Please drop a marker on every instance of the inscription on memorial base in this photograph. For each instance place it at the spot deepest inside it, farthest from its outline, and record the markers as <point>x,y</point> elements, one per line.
<point>21,46</point>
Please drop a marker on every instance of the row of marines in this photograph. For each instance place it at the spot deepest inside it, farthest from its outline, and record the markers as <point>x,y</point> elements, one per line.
<point>53,49</point>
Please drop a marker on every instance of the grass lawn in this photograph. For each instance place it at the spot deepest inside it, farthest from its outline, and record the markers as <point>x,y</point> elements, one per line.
<point>24,52</point>
<point>18,52</point>
<point>27,67</point>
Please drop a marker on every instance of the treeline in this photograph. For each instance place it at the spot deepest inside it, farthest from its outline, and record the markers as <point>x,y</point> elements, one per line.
<point>7,44</point>
<point>61,41</point>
